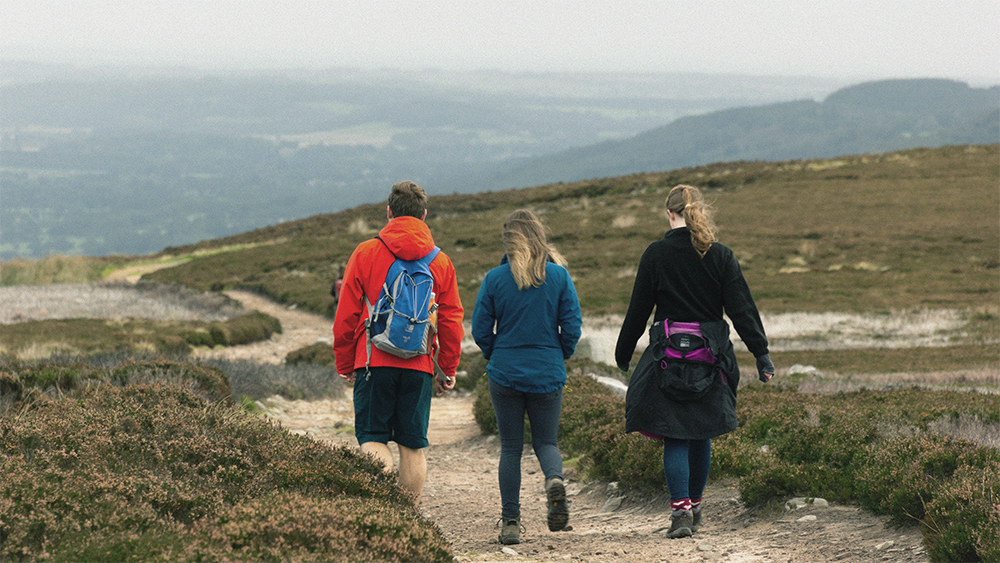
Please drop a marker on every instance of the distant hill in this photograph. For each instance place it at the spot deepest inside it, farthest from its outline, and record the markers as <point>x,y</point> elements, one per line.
<point>128,161</point>
<point>873,117</point>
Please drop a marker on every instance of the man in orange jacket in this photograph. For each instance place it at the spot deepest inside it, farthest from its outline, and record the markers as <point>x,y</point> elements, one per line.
<point>392,395</point>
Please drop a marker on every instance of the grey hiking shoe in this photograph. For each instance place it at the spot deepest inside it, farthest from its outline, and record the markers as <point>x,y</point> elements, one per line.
<point>555,495</point>
<point>510,531</point>
<point>696,519</point>
<point>680,525</point>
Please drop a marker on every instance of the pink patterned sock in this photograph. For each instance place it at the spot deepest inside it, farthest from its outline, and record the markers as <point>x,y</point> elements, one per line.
<point>682,505</point>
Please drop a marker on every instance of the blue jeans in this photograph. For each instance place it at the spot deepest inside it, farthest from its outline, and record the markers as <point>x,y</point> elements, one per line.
<point>543,411</point>
<point>685,466</point>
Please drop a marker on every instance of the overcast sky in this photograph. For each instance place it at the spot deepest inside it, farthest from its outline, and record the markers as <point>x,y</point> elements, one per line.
<point>864,39</point>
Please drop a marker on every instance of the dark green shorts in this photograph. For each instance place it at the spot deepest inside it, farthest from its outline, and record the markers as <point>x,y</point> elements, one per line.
<point>392,404</point>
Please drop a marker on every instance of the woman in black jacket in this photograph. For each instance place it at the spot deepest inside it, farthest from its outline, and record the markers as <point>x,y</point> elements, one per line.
<point>690,280</point>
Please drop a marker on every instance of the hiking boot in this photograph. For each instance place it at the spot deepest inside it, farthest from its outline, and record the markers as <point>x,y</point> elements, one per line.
<point>510,531</point>
<point>680,525</point>
<point>695,519</point>
<point>555,494</point>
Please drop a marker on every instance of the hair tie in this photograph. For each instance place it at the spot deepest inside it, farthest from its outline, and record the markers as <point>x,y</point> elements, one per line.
<point>688,205</point>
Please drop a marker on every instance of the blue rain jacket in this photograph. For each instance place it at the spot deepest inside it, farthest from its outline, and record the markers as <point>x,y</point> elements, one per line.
<point>527,334</point>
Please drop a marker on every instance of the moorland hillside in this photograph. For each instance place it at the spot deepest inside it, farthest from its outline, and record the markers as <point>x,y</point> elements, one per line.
<point>873,232</point>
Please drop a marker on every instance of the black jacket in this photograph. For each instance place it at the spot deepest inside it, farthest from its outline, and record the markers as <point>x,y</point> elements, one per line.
<point>683,286</point>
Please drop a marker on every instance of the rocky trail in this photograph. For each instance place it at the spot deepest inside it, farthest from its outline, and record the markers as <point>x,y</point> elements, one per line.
<point>608,525</point>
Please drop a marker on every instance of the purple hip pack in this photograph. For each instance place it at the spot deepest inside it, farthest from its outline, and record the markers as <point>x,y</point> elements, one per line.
<point>685,342</point>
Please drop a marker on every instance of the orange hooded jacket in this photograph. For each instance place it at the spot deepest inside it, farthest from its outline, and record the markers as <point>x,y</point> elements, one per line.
<point>408,238</point>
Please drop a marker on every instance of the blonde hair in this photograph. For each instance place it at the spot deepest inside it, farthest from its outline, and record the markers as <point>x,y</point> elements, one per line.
<point>687,201</point>
<point>527,249</point>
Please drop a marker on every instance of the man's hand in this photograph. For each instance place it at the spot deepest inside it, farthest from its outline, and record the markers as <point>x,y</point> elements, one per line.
<point>348,377</point>
<point>443,384</point>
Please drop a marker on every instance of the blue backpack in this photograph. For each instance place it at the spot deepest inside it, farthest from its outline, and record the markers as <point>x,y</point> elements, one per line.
<point>401,322</point>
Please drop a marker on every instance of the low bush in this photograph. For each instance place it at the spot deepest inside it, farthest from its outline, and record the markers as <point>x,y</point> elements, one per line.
<point>319,353</point>
<point>962,521</point>
<point>57,378</point>
<point>474,366</point>
<point>153,472</point>
<point>85,337</point>
<point>482,408</point>
<point>871,447</point>
<point>900,477</point>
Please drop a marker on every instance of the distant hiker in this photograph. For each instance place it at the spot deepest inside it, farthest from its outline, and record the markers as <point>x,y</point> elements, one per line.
<point>527,322</point>
<point>335,289</point>
<point>690,279</point>
<point>392,394</point>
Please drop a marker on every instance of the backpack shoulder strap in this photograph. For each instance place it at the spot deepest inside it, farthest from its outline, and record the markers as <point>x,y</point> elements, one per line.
<point>426,260</point>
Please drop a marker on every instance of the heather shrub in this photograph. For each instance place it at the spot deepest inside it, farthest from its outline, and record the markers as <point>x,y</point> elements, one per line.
<point>871,447</point>
<point>157,473</point>
<point>632,459</point>
<point>962,521</point>
<point>44,338</point>
<point>482,408</point>
<point>252,327</point>
<point>206,381</point>
<point>320,353</point>
<point>590,412</point>
<point>901,477</point>
<point>299,527</point>
<point>474,366</point>
<point>60,379</point>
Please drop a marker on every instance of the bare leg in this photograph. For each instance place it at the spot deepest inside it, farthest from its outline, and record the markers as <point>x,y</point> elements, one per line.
<point>380,452</point>
<point>412,471</point>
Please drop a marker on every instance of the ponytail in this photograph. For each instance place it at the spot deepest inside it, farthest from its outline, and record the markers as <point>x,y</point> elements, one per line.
<point>688,202</point>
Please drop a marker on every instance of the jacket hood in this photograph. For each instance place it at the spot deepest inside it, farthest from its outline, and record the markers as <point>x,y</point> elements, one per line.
<point>408,238</point>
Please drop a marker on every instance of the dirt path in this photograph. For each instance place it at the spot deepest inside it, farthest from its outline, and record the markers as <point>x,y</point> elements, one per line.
<point>462,496</point>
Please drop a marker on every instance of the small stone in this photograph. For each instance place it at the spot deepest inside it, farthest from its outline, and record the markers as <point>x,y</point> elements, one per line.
<point>809,518</point>
<point>799,368</point>
<point>706,547</point>
<point>612,487</point>
<point>885,545</point>
<point>508,551</point>
<point>795,503</point>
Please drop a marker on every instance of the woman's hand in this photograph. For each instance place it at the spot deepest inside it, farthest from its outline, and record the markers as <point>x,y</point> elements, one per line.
<point>765,369</point>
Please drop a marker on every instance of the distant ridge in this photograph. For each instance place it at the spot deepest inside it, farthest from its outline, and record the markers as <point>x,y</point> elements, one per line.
<point>871,117</point>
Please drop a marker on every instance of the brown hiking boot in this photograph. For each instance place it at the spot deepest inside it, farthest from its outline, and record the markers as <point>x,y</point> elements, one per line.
<point>510,531</point>
<point>680,525</point>
<point>555,495</point>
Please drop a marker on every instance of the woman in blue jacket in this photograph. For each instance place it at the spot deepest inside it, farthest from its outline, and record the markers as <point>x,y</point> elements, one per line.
<point>527,322</point>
